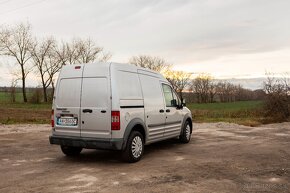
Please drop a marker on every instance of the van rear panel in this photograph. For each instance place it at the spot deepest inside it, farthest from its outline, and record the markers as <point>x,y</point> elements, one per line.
<point>82,102</point>
<point>67,102</point>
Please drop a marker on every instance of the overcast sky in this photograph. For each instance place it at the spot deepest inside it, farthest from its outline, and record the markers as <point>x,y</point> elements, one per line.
<point>227,38</point>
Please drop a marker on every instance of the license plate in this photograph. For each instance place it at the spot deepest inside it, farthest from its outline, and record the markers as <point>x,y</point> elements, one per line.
<point>70,121</point>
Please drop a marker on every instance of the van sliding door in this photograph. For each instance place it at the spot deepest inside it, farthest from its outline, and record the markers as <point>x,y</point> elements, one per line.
<point>154,107</point>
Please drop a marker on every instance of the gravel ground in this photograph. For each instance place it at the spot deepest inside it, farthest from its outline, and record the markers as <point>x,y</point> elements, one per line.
<point>221,157</point>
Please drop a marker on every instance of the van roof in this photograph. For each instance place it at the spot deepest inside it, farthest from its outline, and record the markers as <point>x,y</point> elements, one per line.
<point>125,67</point>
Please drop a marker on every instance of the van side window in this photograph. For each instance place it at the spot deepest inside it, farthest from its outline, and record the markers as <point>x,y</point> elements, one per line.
<point>168,94</point>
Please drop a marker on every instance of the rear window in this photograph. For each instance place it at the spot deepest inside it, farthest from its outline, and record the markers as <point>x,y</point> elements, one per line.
<point>68,92</point>
<point>95,92</point>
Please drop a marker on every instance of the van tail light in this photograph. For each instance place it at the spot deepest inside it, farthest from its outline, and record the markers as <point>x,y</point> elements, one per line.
<point>115,125</point>
<point>52,118</point>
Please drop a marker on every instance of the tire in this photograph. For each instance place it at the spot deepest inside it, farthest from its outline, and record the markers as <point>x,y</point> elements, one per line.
<point>133,153</point>
<point>186,133</point>
<point>71,151</point>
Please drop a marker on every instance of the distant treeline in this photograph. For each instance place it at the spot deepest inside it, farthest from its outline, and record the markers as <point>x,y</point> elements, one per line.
<point>205,89</point>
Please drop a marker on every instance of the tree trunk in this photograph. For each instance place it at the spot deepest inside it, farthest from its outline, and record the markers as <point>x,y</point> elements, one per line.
<point>44,94</point>
<point>180,95</point>
<point>23,84</point>
<point>44,89</point>
<point>53,88</point>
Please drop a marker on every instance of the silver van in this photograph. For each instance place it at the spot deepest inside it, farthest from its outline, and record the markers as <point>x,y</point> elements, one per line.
<point>115,106</point>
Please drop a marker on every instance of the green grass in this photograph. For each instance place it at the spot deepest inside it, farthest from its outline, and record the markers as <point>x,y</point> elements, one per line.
<point>233,106</point>
<point>6,97</point>
<point>25,105</point>
<point>242,112</point>
<point>20,112</point>
<point>5,102</point>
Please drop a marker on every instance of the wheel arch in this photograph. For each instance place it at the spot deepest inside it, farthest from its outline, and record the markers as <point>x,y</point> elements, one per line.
<point>136,124</point>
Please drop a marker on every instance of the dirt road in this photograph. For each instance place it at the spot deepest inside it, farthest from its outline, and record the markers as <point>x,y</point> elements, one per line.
<point>221,157</point>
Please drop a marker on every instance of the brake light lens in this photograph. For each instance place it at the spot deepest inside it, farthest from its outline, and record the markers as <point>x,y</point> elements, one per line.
<point>52,118</point>
<point>77,67</point>
<point>115,125</point>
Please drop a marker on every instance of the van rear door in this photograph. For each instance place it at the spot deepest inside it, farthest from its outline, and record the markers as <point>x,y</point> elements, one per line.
<point>67,101</point>
<point>95,102</point>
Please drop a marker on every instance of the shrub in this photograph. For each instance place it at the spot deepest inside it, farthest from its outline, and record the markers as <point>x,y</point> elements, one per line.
<point>277,101</point>
<point>36,96</point>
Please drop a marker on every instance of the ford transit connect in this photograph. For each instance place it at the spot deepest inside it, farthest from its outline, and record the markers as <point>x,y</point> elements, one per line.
<point>115,106</point>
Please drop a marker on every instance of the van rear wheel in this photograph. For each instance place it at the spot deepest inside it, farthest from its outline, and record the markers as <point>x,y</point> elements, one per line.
<point>134,147</point>
<point>71,151</point>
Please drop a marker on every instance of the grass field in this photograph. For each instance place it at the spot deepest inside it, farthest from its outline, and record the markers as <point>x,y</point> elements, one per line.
<point>5,97</point>
<point>20,112</point>
<point>234,106</point>
<point>242,112</point>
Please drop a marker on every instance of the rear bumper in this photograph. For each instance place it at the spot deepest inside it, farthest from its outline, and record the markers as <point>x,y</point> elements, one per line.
<point>89,143</point>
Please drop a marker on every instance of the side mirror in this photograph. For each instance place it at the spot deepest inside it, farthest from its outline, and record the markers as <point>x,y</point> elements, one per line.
<point>183,103</point>
<point>174,103</point>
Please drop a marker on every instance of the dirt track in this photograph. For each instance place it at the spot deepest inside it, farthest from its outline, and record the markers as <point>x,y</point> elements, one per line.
<point>221,157</point>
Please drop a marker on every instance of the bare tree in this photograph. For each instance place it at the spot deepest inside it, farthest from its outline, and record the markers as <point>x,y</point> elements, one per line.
<point>201,86</point>
<point>15,42</point>
<point>40,53</point>
<point>277,102</point>
<point>179,80</point>
<point>151,62</point>
<point>74,52</point>
<point>54,65</point>
<point>81,51</point>
<point>243,94</point>
<point>87,51</point>
<point>13,90</point>
<point>212,90</point>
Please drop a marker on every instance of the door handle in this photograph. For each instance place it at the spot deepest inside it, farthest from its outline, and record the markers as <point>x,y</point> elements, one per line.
<point>61,109</point>
<point>167,110</point>
<point>161,111</point>
<point>87,110</point>
<point>103,111</point>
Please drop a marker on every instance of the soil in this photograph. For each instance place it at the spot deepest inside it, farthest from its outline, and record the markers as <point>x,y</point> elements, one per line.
<point>221,157</point>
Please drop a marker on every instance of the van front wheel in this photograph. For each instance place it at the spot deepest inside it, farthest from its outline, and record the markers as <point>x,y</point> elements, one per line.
<point>186,133</point>
<point>134,147</point>
<point>71,151</point>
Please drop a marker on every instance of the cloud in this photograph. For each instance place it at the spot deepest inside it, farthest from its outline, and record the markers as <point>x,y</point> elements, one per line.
<point>184,32</point>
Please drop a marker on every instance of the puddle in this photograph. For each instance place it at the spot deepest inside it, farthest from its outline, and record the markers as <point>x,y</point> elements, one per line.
<point>43,159</point>
<point>116,183</point>
<point>83,180</point>
<point>281,134</point>
<point>21,161</point>
<point>274,179</point>
<point>30,172</point>
<point>179,158</point>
